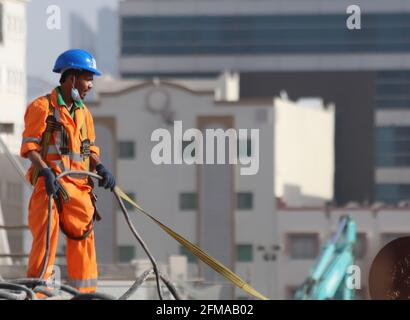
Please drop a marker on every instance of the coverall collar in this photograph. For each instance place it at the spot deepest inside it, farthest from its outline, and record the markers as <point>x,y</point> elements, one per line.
<point>75,119</point>
<point>61,102</point>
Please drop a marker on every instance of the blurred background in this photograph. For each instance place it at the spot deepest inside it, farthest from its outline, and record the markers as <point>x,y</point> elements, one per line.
<point>326,85</point>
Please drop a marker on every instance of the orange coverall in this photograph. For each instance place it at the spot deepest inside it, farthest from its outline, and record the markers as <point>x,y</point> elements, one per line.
<point>78,212</point>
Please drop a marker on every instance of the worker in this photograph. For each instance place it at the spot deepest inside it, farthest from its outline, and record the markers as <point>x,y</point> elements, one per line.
<point>59,136</point>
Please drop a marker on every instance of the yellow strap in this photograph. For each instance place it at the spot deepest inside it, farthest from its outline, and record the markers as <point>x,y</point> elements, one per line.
<point>197,251</point>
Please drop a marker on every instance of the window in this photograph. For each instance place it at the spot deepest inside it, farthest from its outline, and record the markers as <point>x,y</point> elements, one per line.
<point>390,236</point>
<point>392,193</point>
<point>303,246</point>
<point>392,89</point>
<point>190,256</point>
<point>15,80</point>
<point>126,149</point>
<point>6,127</point>
<point>126,253</point>
<point>392,145</point>
<point>127,205</point>
<point>244,253</point>
<point>244,200</point>
<point>262,34</point>
<point>360,247</point>
<point>188,201</point>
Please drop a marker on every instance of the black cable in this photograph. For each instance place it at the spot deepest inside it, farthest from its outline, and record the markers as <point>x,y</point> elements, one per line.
<point>170,287</point>
<point>140,280</point>
<point>22,286</point>
<point>12,295</point>
<point>143,245</point>
<point>93,296</point>
<point>33,282</point>
<point>18,288</point>
<point>45,291</point>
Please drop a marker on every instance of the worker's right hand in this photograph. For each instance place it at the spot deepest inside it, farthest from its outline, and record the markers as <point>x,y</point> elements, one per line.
<point>52,184</point>
<point>108,180</point>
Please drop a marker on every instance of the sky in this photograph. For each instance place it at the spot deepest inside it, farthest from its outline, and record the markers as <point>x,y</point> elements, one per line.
<point>43,44</point>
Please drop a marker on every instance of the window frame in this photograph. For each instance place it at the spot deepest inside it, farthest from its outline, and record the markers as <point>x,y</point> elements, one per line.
<point>288,244</point>
<point>181,201</point>
<point>121,144</point>
<point>252,201</point>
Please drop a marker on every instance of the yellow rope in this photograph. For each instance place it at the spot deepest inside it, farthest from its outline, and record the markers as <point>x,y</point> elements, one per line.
<point>197,251</point>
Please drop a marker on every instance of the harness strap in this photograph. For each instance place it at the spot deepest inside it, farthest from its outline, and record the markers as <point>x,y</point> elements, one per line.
<point>85,144</point>
<point>52,125</point>
<point>45,141</point>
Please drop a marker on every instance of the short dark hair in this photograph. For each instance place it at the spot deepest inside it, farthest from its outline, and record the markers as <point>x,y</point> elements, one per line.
<point>70,72</point>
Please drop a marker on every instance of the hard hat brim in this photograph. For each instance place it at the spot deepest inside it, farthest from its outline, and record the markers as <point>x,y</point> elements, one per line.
<point>92,70</point>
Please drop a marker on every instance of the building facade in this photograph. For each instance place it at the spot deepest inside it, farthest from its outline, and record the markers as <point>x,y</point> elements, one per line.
<point>304,47</point>
<point>13,97</point>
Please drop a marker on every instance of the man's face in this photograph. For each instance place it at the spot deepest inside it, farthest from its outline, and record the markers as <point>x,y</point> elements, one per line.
<point>84,83</point>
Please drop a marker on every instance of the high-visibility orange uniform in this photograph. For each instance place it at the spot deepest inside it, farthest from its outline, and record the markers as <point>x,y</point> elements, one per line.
<point>77,213</point>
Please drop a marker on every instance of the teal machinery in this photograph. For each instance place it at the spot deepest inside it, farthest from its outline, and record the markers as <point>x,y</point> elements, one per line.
<point>327,279</point>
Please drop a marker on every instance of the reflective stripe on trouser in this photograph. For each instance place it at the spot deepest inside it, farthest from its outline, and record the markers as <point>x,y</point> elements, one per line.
<point>83,284</point>
<point>75,217</point>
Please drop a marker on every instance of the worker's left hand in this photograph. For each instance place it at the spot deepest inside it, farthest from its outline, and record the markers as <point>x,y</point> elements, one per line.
<point>108,180</point>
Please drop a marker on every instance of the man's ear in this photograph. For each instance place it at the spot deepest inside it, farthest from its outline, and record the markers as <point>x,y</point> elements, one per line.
<point>72,79</point>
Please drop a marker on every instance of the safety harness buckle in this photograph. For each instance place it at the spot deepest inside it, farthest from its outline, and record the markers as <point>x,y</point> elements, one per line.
<point>52,124</point>
<point>85,148</point>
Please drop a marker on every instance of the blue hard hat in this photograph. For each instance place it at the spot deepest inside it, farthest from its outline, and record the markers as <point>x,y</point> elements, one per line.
<point>76,59</point>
